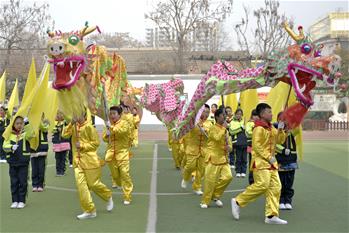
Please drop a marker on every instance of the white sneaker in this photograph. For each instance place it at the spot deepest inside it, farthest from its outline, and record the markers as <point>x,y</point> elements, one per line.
<point>127,202</point>
<point>198,192</point>
<point>203,206</point>
<point>86,215</point>
<point>14,205</point>
<point>184,184</point>
<point>110,204</point>
<point>282,206</point>
<point>235,209</point>
<point>20,205</point>
<point>275,220</point>
<point>243,175</point>
<point>232,167</point>
<point>238,175</point>
<point>218,202</point>
<point>3,161</point>
<point>288,206</point>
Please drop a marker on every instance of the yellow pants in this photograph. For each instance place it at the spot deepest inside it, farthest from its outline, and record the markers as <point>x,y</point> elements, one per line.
<point>194,165</point>
<point>217,178</point>
<point>265,182</point>
<point>120,171</point>
<point>87,180</point>
<point>176,154</point>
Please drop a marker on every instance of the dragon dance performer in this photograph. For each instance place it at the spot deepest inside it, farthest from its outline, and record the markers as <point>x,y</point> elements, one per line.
<point>265,167</point>
<point>195,143</point>
<point>217,172</point>
<point>248,132</point>
<point>87,165</point>
<point>118,136</point>
<point>136,121</point>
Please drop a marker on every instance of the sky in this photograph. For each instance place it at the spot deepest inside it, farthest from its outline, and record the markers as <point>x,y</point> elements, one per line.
<point>128,15</point>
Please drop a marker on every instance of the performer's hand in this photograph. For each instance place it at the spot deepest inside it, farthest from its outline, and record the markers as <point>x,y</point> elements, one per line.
<point>281,125</point>
<point>108,124</point>
<point>272,160</point>
<point>26,120</point>
<point>287,151</point>
<point>14,147</point>
<point>77,144</point>
<point>107,132</point>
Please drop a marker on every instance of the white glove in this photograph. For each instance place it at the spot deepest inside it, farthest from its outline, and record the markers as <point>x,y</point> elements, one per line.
<point>107,132</point>
<point>242,126</point>
<point>281,125</point>
<point>14,147</point>
<point>26,120</point>
<point>272,160</point>
<point>108,124</point>
<point>287,151</point>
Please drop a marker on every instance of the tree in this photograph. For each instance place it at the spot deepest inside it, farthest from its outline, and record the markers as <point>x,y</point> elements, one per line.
<point>22,26</point>
<point>269,34</point>
<point>179,18</point>
<point>117,40</point>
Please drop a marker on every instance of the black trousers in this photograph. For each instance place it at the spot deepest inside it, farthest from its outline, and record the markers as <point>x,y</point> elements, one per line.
<point>70,152</point>
<point>241,159</point>
<point>232,157</point>
<point>287,191</point>
<point>2,152</point>
<point>38,171</point>
<point>60,162</point>
<point>19,182</point>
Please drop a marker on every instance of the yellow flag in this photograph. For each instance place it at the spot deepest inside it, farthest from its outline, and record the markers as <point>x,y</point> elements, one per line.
<point>32,107</point>
<point>38,103</point>
<point>248,102</point>
<point>14,98</point>
<point>31,81</point>
<point>277,98</point>
<point>3,88</point>
<point>231,101</point>
<point>51,107</point>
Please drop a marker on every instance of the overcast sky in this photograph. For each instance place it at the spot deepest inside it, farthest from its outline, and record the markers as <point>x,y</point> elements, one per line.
<point>128,15</point>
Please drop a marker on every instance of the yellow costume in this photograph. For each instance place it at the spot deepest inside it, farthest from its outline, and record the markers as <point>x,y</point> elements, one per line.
<point>195,143</point>
<point>265,173</point>
<point>118,155</point>
<point>136,121</point>
<point>177,152</point>
<point>129,118</point>
<point>217,172</point>
<point>86,163</point>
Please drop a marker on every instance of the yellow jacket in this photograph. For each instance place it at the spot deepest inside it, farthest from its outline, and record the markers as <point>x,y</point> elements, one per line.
<point>264,140</point>
<point>86,157</point>
<point>193,142</point>
<point>218,139</point>
<point>118,141</point>
<point>249,131</point>
<point>128,117</point>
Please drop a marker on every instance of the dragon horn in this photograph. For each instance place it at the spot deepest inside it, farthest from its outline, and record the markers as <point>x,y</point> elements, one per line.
<point>50,33</point>
<point>87,30</point>
<point>292,34</point>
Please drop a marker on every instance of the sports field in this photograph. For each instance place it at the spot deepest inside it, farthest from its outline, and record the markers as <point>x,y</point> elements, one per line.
<point>159,204</point>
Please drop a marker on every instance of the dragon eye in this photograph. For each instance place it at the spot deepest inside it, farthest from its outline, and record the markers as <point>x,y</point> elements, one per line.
<point>74,40</point>
<point>306,48</point>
